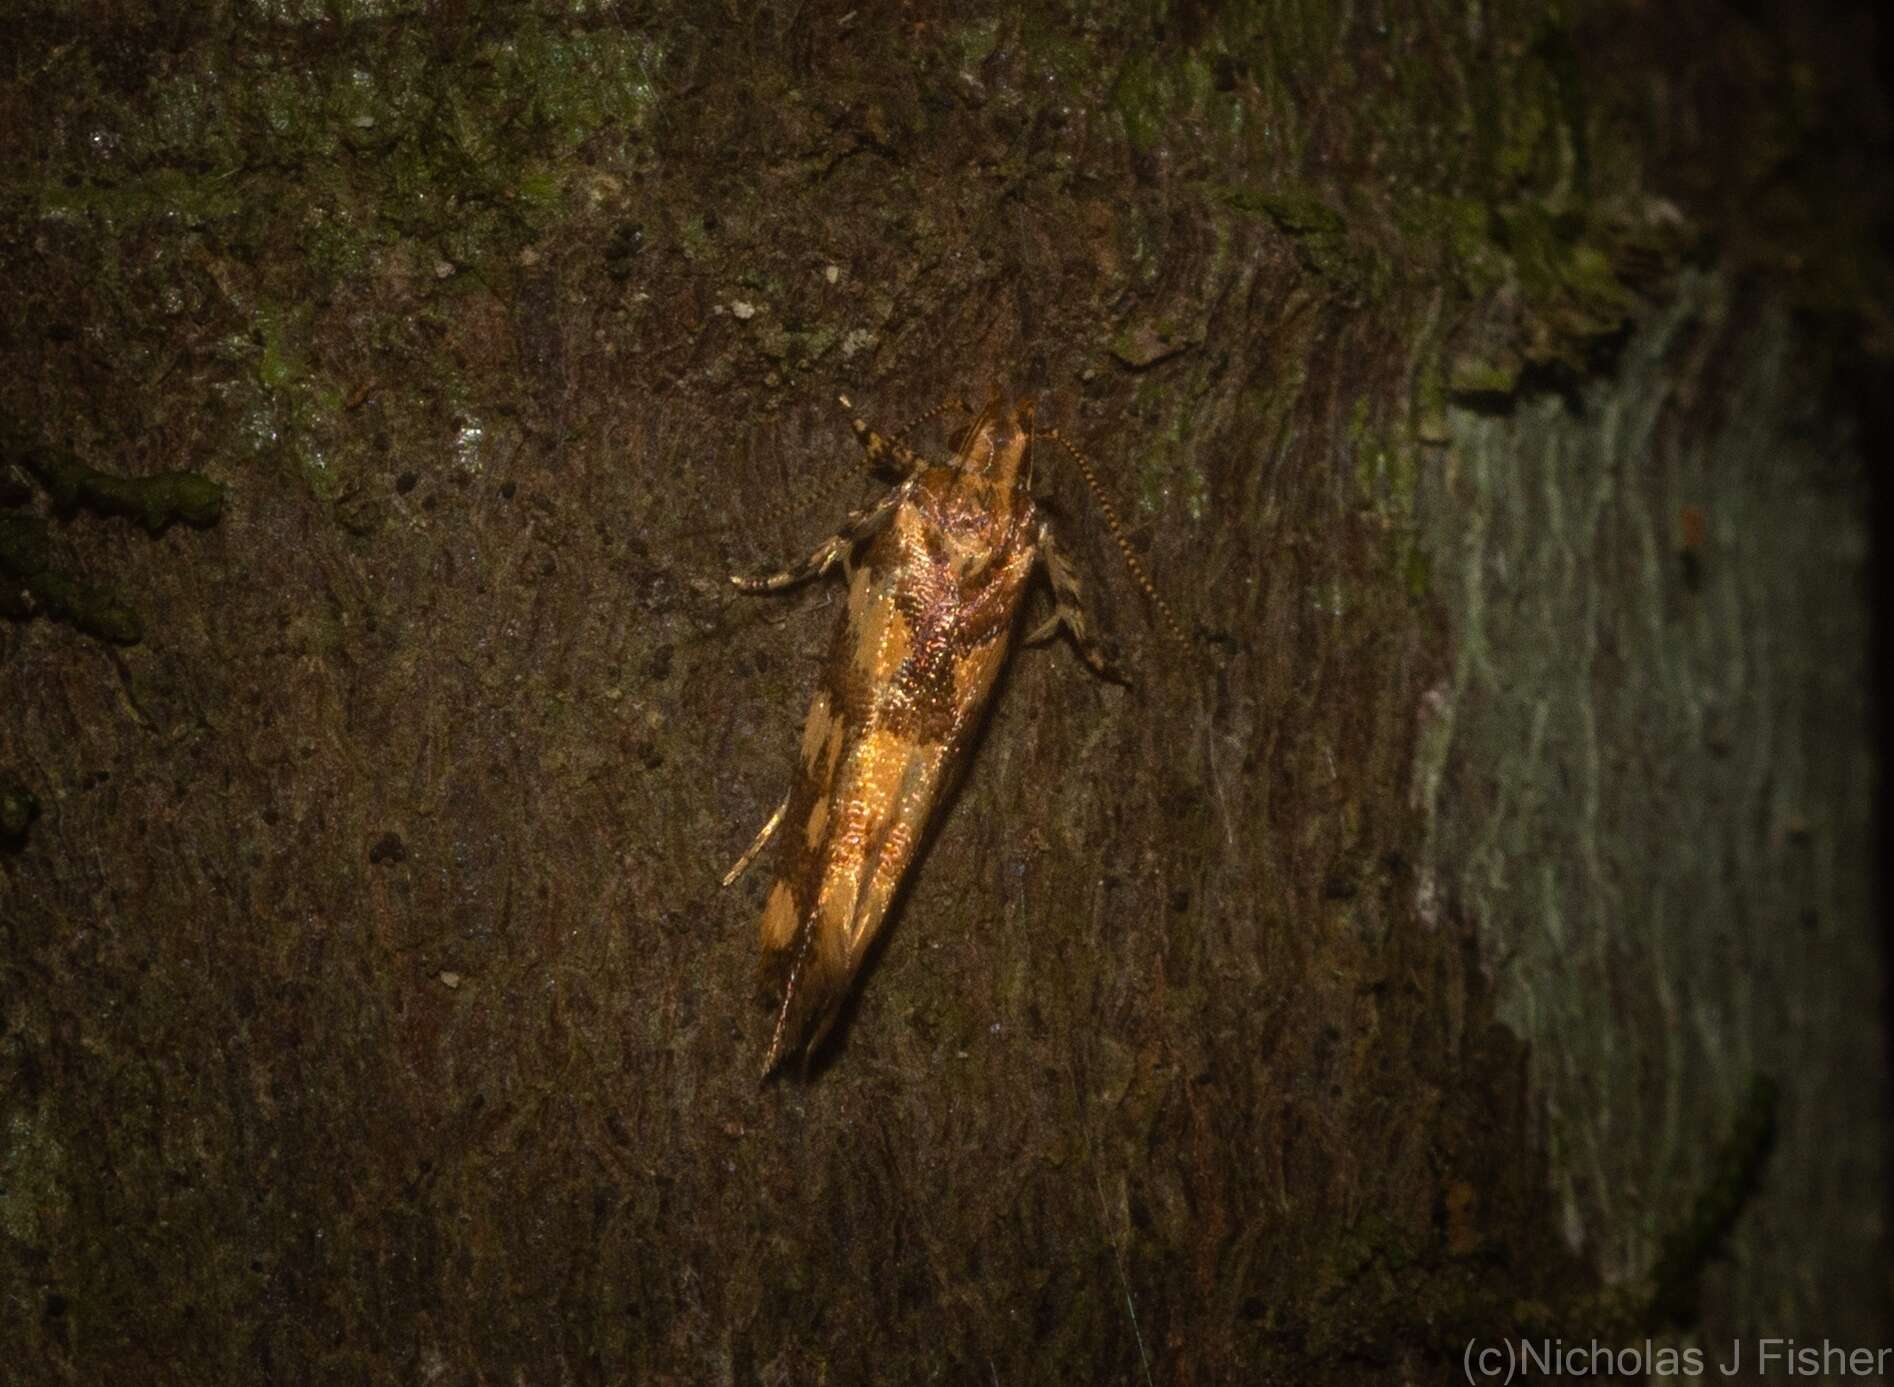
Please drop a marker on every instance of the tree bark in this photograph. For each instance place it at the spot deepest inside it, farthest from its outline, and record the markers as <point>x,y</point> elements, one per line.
<point>1467,941</point>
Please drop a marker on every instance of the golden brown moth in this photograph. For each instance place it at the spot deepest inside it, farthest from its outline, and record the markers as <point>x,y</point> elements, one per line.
<point>937,572</point>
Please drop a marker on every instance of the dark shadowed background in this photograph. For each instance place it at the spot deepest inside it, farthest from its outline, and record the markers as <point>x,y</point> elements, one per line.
<point>1472,936</point>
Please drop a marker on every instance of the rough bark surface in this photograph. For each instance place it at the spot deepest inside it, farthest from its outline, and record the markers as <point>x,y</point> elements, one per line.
<point>1388,971</point>
<point>1651,772</point>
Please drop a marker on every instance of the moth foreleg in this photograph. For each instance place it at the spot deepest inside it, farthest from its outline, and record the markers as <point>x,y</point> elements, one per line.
<point>837,547</point>
<point>888,454</point>
<point>762,839</point>
<point>1069,610</point>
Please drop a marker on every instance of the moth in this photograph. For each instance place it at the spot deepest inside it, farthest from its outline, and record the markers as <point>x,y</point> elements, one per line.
<point>938,570</point>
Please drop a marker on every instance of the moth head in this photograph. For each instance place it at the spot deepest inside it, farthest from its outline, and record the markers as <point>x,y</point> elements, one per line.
<point>998,445</point>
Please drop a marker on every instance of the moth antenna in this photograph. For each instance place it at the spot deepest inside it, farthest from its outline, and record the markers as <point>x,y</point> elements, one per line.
<point>803,494</point>
<point>1124,545</point>
<point>806,493</point>
<point>958,402</point>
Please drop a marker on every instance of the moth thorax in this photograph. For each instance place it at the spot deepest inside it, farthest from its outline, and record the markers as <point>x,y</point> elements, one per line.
<point>998,445</point>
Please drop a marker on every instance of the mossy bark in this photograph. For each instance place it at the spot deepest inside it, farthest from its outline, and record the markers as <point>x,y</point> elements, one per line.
<point>1406,965</point>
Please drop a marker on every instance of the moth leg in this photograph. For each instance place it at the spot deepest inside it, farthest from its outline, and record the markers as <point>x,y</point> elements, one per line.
<point>833,550</point>
<point>762,838</point>
<point>886,454</point>
<point>1070,609</point>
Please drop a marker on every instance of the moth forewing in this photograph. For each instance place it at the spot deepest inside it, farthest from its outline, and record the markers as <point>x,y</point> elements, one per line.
<point>938,571</point>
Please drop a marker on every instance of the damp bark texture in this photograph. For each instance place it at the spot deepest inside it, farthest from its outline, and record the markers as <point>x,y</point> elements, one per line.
<point>1465,936</point>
